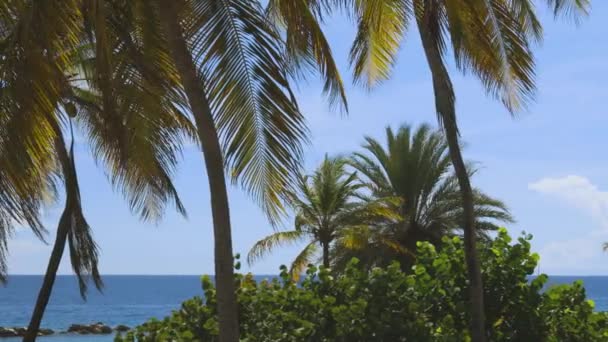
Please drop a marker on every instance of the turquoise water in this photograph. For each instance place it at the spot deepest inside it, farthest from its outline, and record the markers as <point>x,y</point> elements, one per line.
<point>131,300</point>
<point>128,300</point>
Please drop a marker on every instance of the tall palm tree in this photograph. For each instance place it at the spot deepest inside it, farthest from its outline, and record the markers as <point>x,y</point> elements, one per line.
<point>413,166</point>
<point>31,139</point>
<point>238,93</point>
<point>325,204</point>
<point>74,228</point>
<point>142,170</point>
<point>492,39</point>
<point>220,61</point>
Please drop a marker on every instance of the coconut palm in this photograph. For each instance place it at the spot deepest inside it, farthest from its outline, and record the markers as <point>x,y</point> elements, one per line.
<point>325,205</point>
<point>32,144</point>
<point>238,95</point>
<point>220,61</point>
<point>414,166</point>
<point>73,230</point>
<point>141,169</point>
<point>491,39</point>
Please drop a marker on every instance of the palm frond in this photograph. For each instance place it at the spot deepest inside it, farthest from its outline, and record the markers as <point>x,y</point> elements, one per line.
<point>84,252</point>
<point>413,169</point>
<point>572,9</point>
<point>75,54</point>
<point>354,237</point>
<point>241,61</point>
<point>142,167</point>
<point>382,25</point>
<point>525,13</point>
<point>305,44</point>
<point>492,208</point>
<point>324,204</point>
<point>302,260</point>
<point>492,42</point>
<point>34,37</point>
<point>264,246</point>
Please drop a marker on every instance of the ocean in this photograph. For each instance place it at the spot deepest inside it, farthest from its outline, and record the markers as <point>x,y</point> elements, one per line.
<point>131,300</point>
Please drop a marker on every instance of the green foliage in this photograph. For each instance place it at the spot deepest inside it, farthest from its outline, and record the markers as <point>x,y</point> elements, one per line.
<point>326,206</point>
<point>386,304</point>
<point>571,317</point>
<point>413,166</point>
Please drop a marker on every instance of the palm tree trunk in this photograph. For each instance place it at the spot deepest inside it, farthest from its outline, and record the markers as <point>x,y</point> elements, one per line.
<point>49,278</point>
<point>63,230</point>
<point>445,106</point>
<point>208,135</point>
<point>325,255</point>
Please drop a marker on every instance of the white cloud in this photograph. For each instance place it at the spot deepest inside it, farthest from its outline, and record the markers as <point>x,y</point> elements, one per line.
<point>578,256</point>
<point>579,192</point>
<point>583,253</point>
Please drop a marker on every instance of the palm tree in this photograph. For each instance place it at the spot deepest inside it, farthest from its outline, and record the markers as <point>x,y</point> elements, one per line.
<point>491,39</point>
<point>31,139</point>
<point>413,166</point>
<point>325,205</point>
<point>220,61</point>
<point>142,170</point>
<point>238,91</point>
<point>74,228</point>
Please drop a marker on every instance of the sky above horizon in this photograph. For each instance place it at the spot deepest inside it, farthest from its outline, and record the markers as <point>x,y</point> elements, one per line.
<point>547,163</point>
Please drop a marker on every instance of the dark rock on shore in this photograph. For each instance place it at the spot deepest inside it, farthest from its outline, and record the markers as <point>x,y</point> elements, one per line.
<point>122,328</point>
<point>8,332</point>
<point>84,329</point>
<point>77,328</point>
<point>20,332</point>
<point>45,332</point>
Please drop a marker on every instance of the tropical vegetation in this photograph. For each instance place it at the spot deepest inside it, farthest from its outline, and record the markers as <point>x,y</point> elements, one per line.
<point>414,167</point>
<point>381,206</point>
<point>385,304</point>
<point>34,145</point>
<point>137,78</point>
<point>220,62</point>
<point>493,40</point>
<point>325,205</point>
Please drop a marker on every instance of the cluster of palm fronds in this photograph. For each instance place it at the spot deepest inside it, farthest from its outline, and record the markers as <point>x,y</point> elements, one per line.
<point>378,204</point>
<point>138,77</point>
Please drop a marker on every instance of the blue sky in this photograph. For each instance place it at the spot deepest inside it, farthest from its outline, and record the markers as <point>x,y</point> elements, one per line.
<point>548,164</point>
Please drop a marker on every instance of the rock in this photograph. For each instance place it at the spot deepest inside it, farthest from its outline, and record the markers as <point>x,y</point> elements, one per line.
<point>122,328</point>
<point>83,329</point>
<point>101,328</point>
<point>45,332</point>
<point>77,328</point>
<point>8,332</point>
<point>20,331</point>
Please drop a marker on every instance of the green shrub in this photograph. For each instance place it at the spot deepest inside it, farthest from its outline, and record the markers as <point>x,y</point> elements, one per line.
<point>428,304</point>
